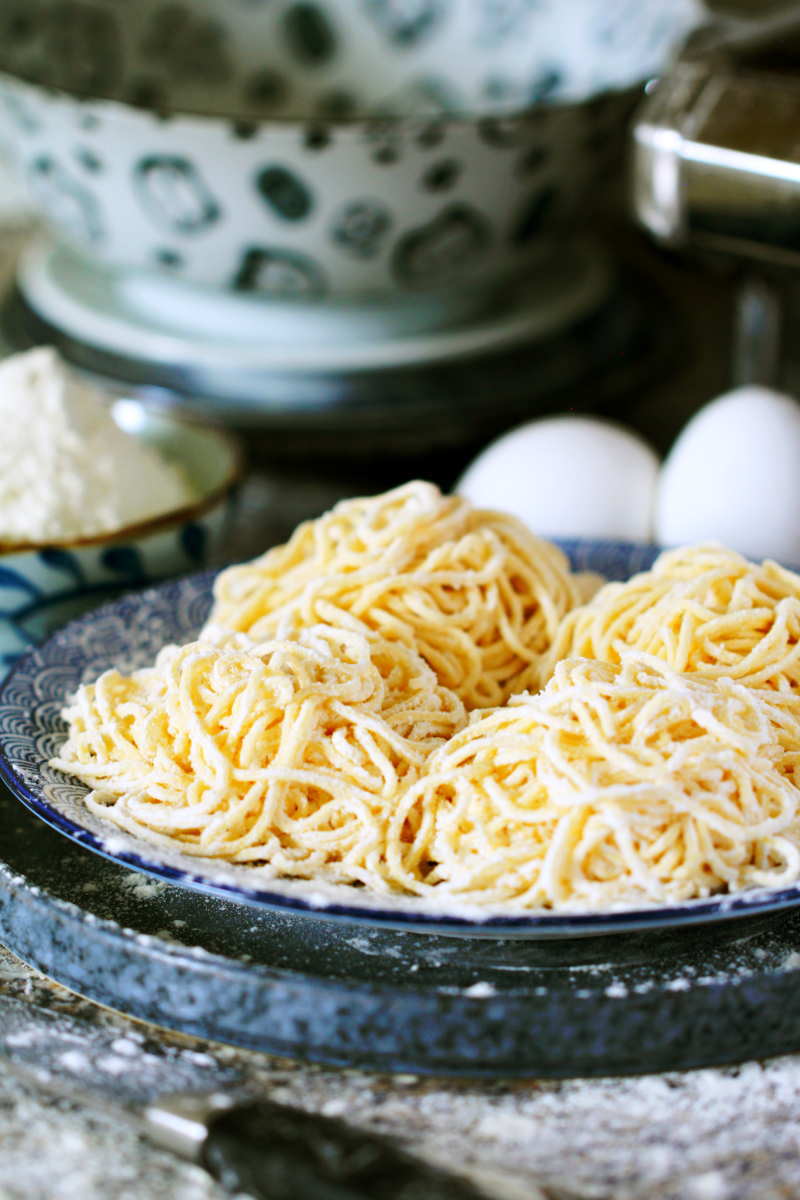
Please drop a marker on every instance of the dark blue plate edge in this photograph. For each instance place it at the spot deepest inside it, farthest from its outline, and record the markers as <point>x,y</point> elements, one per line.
<point>581,552</point>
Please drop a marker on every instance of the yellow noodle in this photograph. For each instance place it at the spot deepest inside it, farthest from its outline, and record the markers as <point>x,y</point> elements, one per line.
<point>319,727</point>
<point>614,784</point>
<point>474,592</point>
<point>703,609</point>
<point>283,753</point>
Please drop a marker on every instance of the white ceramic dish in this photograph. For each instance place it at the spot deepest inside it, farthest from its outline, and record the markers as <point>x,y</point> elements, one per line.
<point>154,320</point>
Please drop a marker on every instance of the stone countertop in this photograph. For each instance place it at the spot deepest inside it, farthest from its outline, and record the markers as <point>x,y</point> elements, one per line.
<point>728,1134</point>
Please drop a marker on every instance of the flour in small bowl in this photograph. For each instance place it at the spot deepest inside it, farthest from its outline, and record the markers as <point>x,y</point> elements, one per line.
<point>67,471</point>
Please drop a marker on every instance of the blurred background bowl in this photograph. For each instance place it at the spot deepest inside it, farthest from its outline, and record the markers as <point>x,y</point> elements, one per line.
<point>344,150</point>
<point>42,586</point>
<point>339,59</point>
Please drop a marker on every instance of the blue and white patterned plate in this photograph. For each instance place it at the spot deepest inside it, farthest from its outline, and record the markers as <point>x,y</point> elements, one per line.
<point>128,634</point>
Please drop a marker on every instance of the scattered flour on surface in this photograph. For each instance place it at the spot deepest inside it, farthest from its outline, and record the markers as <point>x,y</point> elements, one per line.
<point>125,1046</point>
<point>616,991</point>
<point>709,1186</point>
<point>713,1134</point>
<point>74,1061</point>
<point>481,988</point>
<point>142,887</point>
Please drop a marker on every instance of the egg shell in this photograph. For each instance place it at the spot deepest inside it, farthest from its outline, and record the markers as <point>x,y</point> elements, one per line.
<point>569,476</point>
<point>733,476</point>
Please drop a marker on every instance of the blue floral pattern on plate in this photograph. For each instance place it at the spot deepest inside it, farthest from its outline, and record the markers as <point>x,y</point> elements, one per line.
<point>127,634</point>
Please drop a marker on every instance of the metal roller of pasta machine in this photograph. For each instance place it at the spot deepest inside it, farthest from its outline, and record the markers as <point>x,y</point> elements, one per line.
<point>716,170</point>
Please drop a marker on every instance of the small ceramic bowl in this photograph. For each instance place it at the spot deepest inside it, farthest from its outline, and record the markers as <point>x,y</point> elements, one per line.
<point>314,150</point>
<point>43,586</point>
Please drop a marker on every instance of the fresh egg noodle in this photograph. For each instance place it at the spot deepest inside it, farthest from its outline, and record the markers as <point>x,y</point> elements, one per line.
<point>286,754</point>
<point>347,715</point>
<point>703,609</point>
<point>613,784</point>
<point>474,592</point>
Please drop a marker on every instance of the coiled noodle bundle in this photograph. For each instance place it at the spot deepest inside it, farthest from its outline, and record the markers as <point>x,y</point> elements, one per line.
<point>474,592</point>
<point>614,783</point>
<point>319,728</point>
<point>289,754</point>
<point>703,609</point>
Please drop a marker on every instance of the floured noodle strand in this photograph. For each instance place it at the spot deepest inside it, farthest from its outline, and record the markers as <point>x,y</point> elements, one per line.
<point>319,729</point>
<point>703,609</point>
<point>477,594</point>
<point>288,754</point>
<point>616,782</point>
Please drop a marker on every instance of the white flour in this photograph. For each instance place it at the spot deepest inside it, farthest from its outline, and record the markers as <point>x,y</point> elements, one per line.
<point>66,469</point>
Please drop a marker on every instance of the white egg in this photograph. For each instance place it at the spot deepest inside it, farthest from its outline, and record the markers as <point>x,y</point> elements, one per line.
<point>733,476</point>
<point>569,477</point>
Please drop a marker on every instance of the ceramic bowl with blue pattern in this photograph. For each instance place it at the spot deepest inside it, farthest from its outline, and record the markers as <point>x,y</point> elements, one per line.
<point>44,586</point>
<point>331,149</point>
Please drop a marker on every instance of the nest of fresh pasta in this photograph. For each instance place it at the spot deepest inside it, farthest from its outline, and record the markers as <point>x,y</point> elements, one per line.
<point>417,696</point>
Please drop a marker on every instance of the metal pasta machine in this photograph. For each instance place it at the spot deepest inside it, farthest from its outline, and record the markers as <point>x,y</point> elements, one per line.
<point>716,169</point>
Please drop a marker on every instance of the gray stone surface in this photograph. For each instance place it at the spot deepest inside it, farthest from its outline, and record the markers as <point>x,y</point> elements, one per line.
<point>705,1135</point>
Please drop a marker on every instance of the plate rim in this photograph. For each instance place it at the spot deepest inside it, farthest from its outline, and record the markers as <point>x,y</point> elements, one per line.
<point>535,925</point>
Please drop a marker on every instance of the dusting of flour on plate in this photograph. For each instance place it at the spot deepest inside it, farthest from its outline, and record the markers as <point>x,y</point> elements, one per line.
<point>67,470</point>
<point>481,989</point>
